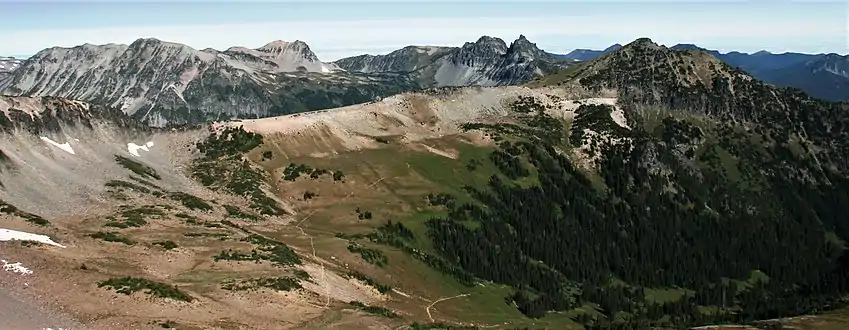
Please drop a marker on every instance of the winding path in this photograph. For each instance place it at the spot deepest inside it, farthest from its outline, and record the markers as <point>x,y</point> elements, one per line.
<point>441,300</point>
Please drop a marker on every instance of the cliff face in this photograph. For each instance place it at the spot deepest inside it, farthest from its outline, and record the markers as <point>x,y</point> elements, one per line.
<point>163,83</point>
<point>486,62</point>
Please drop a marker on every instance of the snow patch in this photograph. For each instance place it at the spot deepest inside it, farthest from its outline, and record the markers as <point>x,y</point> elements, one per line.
<point>64,146</point>
<point>618,116</point>
<point>133,148</point>
<point>15,267</point>
<point>14,235</point>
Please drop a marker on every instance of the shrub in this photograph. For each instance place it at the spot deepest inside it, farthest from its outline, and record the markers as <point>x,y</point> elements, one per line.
<point>129,285</point>
<point>137,168</point>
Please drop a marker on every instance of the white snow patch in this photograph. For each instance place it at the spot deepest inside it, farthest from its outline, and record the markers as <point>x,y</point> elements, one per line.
<point>64,146</point>
<point>15,267</point>
<point>618,116</point>
<point>14,235</point>
<point>133,148</point>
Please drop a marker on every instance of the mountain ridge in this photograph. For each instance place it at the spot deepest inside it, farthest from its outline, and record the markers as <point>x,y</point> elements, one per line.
<point>785,69</point>
<point>164,83</point>
<point>489,61</point>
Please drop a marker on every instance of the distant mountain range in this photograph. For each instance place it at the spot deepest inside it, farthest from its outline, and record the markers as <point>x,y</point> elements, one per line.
<point>824,76</point>
<point>487,62</point>
<point>164,83</point>
<point>587,54</point>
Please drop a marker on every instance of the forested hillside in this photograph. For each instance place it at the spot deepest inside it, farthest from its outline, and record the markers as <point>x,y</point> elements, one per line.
<point>723,200</point>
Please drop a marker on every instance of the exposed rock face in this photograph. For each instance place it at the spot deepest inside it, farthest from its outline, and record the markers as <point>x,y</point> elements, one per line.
<point>163,83</point>
<point>406,59</point>
<point>487,62</point>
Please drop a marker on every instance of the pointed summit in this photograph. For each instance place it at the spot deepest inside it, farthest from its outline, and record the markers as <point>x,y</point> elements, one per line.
<point>522,41</point>
<point>522,50</point>
<point>643,42</point>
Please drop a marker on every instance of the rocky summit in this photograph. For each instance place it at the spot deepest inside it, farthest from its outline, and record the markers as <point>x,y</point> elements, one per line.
<point>487,62</point>
<point>652,187</point>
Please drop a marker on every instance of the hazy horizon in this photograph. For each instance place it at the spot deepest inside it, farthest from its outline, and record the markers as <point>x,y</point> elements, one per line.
<point>345,28</point>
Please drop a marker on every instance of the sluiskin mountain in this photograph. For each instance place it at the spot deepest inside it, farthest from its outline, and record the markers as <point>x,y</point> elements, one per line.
<point>487,62</point>
<point>163,83</point>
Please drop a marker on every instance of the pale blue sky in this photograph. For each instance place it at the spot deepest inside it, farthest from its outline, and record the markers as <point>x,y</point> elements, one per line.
<point>335,29</point>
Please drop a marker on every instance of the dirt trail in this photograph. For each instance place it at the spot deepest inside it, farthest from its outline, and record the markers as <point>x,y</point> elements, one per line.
<point>441,300</point>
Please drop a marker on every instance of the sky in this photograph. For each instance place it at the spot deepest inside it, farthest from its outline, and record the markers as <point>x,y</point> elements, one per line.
<point>336,29</point>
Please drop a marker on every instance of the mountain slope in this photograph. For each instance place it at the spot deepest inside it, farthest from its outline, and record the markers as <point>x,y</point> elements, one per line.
<point>757,63</point>
<point>487,62</point>
<point>816,74</point>
<point>650,188</point>
<point>164,83</point>
<point>406,59</point>
<point>705,153</point>
<point>7,65</point>
<point>803,71</point>
<point>825,77</point>
<point>140,227</point>
<point>167,84</point>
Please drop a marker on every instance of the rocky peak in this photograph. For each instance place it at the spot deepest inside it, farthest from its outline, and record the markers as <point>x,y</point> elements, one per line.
<point>522,50</point>
<point>285,56</point>
<point>643,43</point>
<point>280,48</point>
<point>487,43</point>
